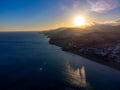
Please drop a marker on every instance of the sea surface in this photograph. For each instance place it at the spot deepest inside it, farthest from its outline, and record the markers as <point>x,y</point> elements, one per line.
<point>29,62</point>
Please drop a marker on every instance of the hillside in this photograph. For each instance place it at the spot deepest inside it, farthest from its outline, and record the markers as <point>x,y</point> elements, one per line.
<point>97,42</point>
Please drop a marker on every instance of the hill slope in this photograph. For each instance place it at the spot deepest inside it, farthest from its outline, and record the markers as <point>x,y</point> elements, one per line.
<point>96,42</point>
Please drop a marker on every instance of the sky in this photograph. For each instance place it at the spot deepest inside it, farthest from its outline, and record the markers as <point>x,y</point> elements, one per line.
<point>48,14</point>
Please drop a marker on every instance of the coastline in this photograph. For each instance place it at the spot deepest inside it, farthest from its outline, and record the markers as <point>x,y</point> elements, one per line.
<point>99,45</point>
<point>95,59</point>
<point>99,60</point>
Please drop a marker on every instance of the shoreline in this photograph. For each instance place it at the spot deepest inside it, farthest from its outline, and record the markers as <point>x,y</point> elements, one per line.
<point>98,45</point>
<point>112,65</point>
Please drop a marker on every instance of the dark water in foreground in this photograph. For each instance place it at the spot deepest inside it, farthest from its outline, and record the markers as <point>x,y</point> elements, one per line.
<point>29,62</point>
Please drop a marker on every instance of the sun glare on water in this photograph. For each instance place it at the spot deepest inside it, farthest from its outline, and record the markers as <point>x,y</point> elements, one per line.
<point>79,21</point>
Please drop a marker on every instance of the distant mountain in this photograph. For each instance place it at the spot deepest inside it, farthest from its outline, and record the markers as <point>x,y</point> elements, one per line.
<point>96,42</point>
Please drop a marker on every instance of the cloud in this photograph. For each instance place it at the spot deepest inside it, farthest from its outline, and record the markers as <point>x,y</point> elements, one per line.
<point>73,5</point>
<point>114,22</point>
<point>117,20</point>
<point>101,6</point>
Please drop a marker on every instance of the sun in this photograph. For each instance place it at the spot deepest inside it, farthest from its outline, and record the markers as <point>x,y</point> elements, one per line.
<point>79,21</point>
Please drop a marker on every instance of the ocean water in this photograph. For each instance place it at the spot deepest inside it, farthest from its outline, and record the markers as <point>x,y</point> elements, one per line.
<point>29,62</point>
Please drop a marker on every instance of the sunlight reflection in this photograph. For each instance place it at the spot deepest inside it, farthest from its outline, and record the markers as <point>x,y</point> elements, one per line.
<point>76,77</point>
